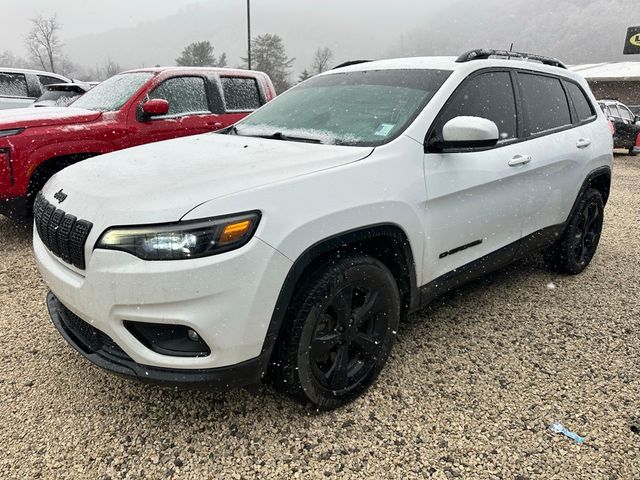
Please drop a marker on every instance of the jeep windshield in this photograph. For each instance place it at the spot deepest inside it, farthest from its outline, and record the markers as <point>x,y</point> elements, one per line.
<point>363,108</point>
<point>113,93</point>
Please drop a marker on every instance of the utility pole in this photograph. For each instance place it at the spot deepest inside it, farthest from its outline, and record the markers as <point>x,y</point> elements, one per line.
<point>249,34</point>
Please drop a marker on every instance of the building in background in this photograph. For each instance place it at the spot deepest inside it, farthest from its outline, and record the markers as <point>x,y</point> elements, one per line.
<point>615,81</point>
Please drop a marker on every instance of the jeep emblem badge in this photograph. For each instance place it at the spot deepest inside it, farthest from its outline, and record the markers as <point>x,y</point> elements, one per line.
<point>60,196</point>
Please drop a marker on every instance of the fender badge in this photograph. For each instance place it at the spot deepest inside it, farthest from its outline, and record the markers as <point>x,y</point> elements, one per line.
<point>60,196</point>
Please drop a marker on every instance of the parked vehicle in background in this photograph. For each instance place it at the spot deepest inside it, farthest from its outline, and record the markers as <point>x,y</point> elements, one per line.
<point>61,94</point>
<point>129,109</point>
<point>20,88</point>
<point>289,248</point>
<point>626,125</point>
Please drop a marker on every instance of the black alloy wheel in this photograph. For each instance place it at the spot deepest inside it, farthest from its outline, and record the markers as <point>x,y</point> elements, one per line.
<point>340,332</point>
<point>577,246</point>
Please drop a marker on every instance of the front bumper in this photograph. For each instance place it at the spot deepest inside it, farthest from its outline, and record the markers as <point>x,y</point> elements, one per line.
<point>102,351</point>
<point>228,299</point>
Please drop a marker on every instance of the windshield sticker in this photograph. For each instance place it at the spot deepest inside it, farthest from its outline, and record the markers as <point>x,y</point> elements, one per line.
<point>384,129</point>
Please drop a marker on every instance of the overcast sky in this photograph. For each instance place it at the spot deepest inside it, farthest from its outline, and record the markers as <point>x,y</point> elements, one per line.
<point>148,32</point>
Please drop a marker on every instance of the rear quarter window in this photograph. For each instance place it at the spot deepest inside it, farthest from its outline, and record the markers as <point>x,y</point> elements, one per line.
<point>581,103</point>
<point>241,93</point>
<point>545,103</point>
<point>46,80</point>
<point>13,85</point>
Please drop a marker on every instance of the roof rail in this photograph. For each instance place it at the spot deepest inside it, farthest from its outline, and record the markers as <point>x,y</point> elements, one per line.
<point>483,54</point>
<point>350,62</point>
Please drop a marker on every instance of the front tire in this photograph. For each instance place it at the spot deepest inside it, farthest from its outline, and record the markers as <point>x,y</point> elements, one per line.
<point>577,246</point>
<point>339,332</point>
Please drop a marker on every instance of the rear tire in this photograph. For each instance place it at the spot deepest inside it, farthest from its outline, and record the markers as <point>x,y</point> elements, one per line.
<point>632,152</point>
<point>577,246</point>
<point>339,332</point>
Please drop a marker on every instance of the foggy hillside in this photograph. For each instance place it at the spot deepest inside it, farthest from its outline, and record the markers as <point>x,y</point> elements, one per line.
<point>572,30</point>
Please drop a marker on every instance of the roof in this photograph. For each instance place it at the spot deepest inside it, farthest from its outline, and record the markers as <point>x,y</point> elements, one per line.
<point>234,71</point>
<point>35,72</point>
<point>613,72</point>
<point>449,63</point>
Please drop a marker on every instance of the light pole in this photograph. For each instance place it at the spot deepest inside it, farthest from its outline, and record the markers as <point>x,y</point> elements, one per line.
<point>249,34</point>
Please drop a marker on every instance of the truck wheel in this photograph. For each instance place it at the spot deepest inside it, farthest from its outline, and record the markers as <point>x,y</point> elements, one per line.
<point>577,246</point>
<point>339,333</point>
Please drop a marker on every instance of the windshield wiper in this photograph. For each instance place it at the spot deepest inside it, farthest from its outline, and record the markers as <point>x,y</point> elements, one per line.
<point>282,136</point>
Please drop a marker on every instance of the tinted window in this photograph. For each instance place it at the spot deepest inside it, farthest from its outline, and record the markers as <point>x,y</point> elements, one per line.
<point>184,94</point>
<point>44,80</point>
<point>13,85</point>
<point>545,103</point>
<point>241,93</point>
<point>490,96</point>
<point>580,102</point>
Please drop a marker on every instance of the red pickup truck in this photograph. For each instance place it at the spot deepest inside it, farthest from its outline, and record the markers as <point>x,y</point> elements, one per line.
<point>132,108</point>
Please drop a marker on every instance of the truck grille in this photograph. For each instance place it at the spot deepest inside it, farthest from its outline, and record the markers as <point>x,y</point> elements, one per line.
<point>63,234</point>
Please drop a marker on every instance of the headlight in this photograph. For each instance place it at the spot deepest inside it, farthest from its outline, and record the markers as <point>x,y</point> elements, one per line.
<point>181,240</point>
<point>8,133</point>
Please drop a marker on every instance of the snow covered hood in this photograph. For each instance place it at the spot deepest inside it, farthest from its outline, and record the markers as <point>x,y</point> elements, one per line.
<point>42,117</point>
<point>161,182</point>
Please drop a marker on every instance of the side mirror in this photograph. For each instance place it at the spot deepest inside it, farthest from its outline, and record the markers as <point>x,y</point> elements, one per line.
<point>469,132</point>
<point>155,107</point>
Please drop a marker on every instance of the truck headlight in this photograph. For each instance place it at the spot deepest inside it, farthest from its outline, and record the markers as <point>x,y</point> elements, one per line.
<point>182,240</point>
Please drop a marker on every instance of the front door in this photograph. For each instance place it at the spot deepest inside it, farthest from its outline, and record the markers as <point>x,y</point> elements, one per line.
<point>189,111</point>
<point>474,196</point>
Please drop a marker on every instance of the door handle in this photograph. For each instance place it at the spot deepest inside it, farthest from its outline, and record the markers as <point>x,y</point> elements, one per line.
<point>583,143</point>
<point>215,124</point>
<point>519,160</point>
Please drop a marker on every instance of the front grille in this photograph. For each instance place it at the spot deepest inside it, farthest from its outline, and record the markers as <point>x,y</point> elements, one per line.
<point>63,234</point>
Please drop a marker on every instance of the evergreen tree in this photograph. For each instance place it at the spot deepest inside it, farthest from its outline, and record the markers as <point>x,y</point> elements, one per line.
<point>268,55</point>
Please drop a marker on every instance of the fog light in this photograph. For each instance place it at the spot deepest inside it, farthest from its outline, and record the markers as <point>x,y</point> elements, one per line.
<point>167,339</point>
<point>193,335</point>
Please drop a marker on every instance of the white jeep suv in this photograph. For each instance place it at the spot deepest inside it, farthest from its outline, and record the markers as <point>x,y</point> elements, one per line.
<point>289,247</point>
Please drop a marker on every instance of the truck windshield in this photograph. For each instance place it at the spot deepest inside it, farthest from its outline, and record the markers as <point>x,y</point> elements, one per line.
<point>113,93</point>
<point>363,108</point>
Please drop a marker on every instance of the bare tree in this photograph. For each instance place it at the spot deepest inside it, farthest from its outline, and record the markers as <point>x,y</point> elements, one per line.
<point>321,60</point>
<point>43,43</point>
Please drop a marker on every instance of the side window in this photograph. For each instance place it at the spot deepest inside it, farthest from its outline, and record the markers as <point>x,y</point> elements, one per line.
<point>13,85</point>
<point>545,103</point>
<point>583,106</point>
<point>488,95</point>
<point>45,80</point>
<point>614,111</point>
<point>625,113</point>
<point>241,93</point>
<point>184,94</point>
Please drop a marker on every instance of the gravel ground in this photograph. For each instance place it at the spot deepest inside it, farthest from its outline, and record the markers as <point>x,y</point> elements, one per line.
<point>470,392</point>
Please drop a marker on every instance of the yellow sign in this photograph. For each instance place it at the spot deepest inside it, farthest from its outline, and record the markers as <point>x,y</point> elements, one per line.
<point>635,40</point>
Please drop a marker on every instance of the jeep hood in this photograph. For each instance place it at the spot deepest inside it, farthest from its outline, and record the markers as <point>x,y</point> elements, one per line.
<point>163,181</point>
<point>43,117</point>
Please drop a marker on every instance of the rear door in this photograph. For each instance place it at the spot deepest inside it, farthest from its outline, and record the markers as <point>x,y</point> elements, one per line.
<point>474,197</point>
<point>190,110</point>
<point>242,95</point>
<point>14,90</point>
<point>558,143</point>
